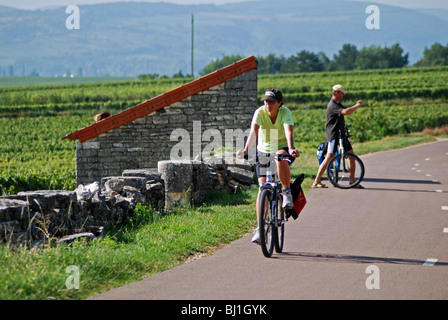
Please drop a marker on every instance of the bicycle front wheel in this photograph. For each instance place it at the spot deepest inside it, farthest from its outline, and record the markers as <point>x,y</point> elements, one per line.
<point>265,223</point>
<point>280,226</point>
<point>345,171</point>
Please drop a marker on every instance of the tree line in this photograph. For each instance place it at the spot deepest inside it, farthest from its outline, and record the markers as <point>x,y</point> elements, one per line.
<point>348,58</point>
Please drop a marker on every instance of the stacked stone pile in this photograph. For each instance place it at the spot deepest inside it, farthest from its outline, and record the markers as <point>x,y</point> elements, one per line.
<point>66,215</point>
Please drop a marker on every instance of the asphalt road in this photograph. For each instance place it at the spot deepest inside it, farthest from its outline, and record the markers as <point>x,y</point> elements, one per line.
<point>388,241</point>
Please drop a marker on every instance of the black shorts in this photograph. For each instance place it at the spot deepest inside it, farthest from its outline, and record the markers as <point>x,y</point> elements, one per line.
<point>264,161</point>
<point>332,146</point>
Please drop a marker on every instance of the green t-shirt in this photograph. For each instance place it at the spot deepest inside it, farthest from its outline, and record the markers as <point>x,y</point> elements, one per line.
<point>271,136</point>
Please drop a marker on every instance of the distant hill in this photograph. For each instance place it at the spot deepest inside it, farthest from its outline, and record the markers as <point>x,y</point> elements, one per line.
<point>128,39</point>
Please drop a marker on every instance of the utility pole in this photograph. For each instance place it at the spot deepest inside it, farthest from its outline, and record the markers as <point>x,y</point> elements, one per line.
<point>192,44</point>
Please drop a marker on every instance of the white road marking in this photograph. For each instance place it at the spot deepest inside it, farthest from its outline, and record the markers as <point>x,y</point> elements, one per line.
<point>445,208</point>
<point>430,262</point>
<point>445,230</point>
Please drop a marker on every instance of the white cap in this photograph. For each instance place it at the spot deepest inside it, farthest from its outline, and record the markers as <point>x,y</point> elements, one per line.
<point>338,87</point>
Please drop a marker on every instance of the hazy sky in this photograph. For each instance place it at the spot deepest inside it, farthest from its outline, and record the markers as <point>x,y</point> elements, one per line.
<point>34,4</point>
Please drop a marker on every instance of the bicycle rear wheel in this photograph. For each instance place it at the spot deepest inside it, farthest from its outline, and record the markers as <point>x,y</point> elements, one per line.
<point>280,227</point>
<point>265,223</point>
<point>339,168</point>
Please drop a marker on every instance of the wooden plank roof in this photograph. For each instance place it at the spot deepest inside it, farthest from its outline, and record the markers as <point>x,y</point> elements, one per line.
<point>164,100</point>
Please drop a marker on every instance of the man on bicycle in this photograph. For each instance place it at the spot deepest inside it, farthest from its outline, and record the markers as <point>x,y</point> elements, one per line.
<point>275,137</point>
<point>335,123</point>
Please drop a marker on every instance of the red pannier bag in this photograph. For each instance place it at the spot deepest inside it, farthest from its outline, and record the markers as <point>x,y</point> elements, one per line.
<point>298,197</point>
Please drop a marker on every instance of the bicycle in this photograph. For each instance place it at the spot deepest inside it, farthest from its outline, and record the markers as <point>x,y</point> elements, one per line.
<point>345,170</point>
<point>271,214</point>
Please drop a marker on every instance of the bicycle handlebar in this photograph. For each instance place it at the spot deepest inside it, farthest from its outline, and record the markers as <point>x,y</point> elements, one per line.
<point>346,131</point>
<point>284,157</point>
<point>279,157</point>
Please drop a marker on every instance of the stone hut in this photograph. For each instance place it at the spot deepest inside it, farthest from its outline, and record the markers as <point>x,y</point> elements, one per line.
<point>181,123</point>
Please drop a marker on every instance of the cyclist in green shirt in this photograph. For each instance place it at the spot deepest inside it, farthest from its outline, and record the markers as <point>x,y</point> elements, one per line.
<point>273,126</point>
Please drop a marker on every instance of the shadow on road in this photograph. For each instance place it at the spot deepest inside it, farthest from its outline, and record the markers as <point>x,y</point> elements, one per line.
<point>410,181</point>
<point>401,181</point>
<point>406,190</point>
<point>341,258</point>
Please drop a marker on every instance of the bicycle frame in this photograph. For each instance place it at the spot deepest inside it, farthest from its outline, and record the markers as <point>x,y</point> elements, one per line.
<point>341,148</point>
<point>275,191</point>
<point>275,187</point>
<point>271,215</point>
<point>343,163</point>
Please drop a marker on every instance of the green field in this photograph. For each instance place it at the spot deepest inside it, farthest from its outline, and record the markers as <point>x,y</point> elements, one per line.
<point>397,101</point>
<point>34,118</point>
<point>17,81</point>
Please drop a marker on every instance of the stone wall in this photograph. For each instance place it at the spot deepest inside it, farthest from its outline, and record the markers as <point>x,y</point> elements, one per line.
<point>145,141</point>
<point>39,217</point>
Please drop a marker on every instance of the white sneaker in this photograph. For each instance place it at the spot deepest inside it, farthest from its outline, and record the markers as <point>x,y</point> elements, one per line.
<point>287,198</point>
<point>256,237</point>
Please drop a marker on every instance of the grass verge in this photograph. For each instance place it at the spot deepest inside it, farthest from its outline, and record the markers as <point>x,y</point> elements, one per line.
<point>149,242</point>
